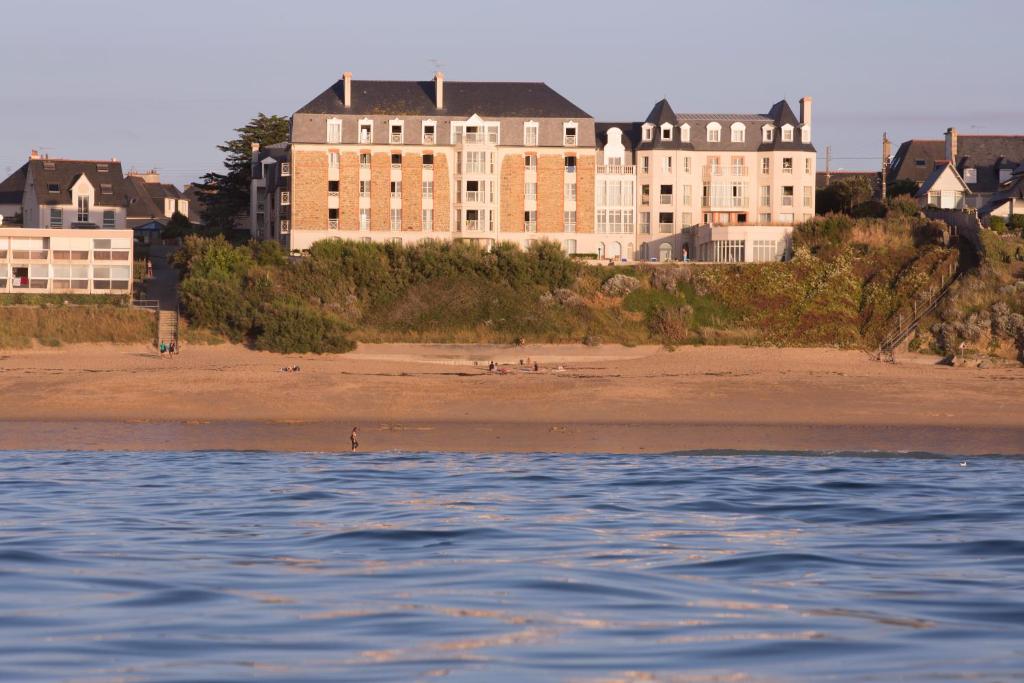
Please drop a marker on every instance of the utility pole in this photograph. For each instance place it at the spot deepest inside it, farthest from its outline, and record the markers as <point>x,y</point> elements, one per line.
<point>886,156</point>
<point>828,165</point>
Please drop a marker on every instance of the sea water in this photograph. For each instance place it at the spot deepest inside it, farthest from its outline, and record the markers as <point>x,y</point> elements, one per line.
<point>237,566</point>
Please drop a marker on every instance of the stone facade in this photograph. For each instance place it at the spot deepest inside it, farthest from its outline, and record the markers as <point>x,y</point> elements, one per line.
<point>585,179</point>
<point>412,191</point>
<point>442,194</point>
<point>309,191</point>
<point>348,192</point>
<point>513,178</point>
<point>550,193</point>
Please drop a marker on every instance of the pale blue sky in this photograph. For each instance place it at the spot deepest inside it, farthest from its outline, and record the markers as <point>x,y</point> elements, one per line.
<point>159,84</point>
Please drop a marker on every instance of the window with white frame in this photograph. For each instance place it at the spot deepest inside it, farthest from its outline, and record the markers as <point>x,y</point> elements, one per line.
<point>787,133</point>
<point>764,218</point>
<point>686,194</point>
<point>570,131</point>
<point>428,189</point>
<point>364,160</point>
<point>429,132</point>
<point>428,162</point>
<point>666,131</point>
<point>570,220</point>
<point>531,190</point>
<point>56,217</point>
<point>83,209</point>
<point>286,226</point>
<point>684,132</point>
<point>665,222</point>
<point>767,133</point>
<point>428,220</point>
<point>530,221</point>
<point>333,131</point>
<point>108,219</point>
<point>286,198</point>
<point>686,164</point>
<point>364,188</point>
<point>364,219</point>
<point>286,168</point>
<point>531,134</point>
<point>530,162</point>
<point>396,161</point>
<point>970,175</point>
<point>570,192</point>
<point>686,218</point>
<point>396,189</point>
<point>766,195</point>
<point>570,164</point>
<point>738,132</point>
<point>365,131</point>
<point>570,246</point>
<point>808,166</point>
<point>766,166</point>
<point>648,132</point>
<point>808,195</point>
<point>714,132</point>
<point>787,195</point>
<point>396,131</point>
<point>666,163</point>
<point>645,222</point>
<point>396,219</point>
<point>787,164</point>
<point>645,164</point>
<point>333,160</point>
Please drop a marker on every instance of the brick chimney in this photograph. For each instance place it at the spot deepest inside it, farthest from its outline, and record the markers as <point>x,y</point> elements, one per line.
<point>951,145</point>
<point>347,79</point>
<point>439,89</point>
<point>34,154</point>
<point>255,152</point>
<point>805,119</point>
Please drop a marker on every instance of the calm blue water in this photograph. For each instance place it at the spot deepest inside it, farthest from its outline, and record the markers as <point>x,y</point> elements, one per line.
<point>380,567</point>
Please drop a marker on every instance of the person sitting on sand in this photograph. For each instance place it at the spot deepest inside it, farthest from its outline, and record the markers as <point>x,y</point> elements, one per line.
<point>536,366</point>
<point>354,437</point>
<point>491,366</point>
<point>163,349</point>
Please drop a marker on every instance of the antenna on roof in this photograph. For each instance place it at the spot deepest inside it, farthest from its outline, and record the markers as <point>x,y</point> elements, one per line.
<point>438,64</point>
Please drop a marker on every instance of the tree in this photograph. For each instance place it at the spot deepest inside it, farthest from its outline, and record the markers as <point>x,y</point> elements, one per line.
<point>902,186</point>
<point>225,196</point>
<point>178,226</point>
<point>844,194</point>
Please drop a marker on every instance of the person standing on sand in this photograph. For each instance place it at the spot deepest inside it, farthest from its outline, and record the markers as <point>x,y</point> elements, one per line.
<point>354,437</point>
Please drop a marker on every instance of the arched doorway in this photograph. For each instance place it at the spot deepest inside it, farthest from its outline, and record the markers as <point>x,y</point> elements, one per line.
<point>665,252</point>
<point>615,250</point>
<point>600,250</point>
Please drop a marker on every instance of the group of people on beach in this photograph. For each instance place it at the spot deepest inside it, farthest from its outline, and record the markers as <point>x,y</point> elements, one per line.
<point>168,349</point>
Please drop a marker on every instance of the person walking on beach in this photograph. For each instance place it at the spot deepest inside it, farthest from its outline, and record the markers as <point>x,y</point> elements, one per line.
<point>354,437</point>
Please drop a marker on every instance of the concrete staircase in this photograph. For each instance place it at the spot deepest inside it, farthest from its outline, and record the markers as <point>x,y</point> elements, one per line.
<point>168,329</point>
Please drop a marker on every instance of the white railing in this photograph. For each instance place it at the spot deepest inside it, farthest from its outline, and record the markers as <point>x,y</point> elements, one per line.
<point>570,140</point>
<point>365,137</point>
<point>472,196</point>
<point>617,170</point>
<point>710,171</point>
<point>787,170</point>
<point>531,226</point>
<point>469,224</point>
<point>332,223</point>
<point>428,138</point>
<point>332,194</point>
<point>364,193</point>
<point>723,202</point>
<point>787,201</point>
<point>666,199</point>
<point>739,170</point>
<point>396,138</point>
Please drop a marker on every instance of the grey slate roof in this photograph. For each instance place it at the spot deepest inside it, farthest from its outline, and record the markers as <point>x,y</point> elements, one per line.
<point>630,134</point>
<point>985,153</point>
<point>63,173</point>
<point>938,169</point>
<point>461,98</point>
<point>13,187</point>
<point>147,199</point>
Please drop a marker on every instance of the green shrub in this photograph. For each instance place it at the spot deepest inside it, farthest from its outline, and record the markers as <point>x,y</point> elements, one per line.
<point>828,230</point>
<point>902,205</point>
<point>292,328</point>
<point>1017,223</point>
<point>997,224</point>
<point>930,233</point>
<point>670,324</point>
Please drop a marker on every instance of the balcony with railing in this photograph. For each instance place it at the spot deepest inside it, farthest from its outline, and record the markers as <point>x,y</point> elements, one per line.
<point>472,196</point>
<point>726,202</point>
<point>711,171</point>
<point>617,170</point>
<point>666,198</point>
<point>787,200</point>
<point>365,137</point>
<point>471,224</point>
<point>332,224</point>
<point>531,226</point>
<point>738,170</point>
<point>570,140</point>
<point>332,194</point>
<point>429,138</point>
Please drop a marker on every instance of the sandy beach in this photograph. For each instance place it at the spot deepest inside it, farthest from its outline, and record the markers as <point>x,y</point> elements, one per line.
<point>442,397</point>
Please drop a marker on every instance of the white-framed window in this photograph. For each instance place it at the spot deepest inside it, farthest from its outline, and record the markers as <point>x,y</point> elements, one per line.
<point>686,218</point>
<point>366,131</point>
<point>787,133</point>
<point>648,132</point>
<point>645,222</point>
<point>808,165</point>
<point>570,164</point>
<point>766,166</point>
<point>787,164</point>
<point>645,164</point>
<point>364,188</point>
<point>428,220</point>
<point>714,132</point>
<point>531,134</point>
<point>686,164</point>
<point>570,246</point>
<point>106,188</point>
<point>333,160</point>
<point>665,222</point>
<point>364,219</point>
<point>396,189</point>
<point>364,160</point>
<point>738,132</point>
<point>530,162</point>
<point>286,226</point>
<point>531,190</point>
<point>428,189</point>
<point>808,195</point>
<point>684,132</point>
<point>286,198</point>
<point>666,164</point>
<point>286,168</point>
<point>570,220</point>
<point>83,209</point>
<point>530,221</point>
<point>428,162</point>
<point>396,219</point>
<point>333,131</point>
<point>686,194</point>
<point>570,192</point>
<point>766,195</point>
<point>666,131</point>
<point>396,131</point>
<point>429,132</point>
<point>332,219</point>
<point>764,218</point>
<point>396,160</point>
<point>970,175</point>
<point>767,133</point>
<point>56,217</point>
<point>570,133</point>
<point>108,219</point>
<point>787,195</point>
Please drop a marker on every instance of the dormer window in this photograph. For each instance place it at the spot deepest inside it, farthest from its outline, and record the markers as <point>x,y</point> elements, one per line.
<point>49,166</point>
<point>666,132</point>
<point>768,133</point>
<point>648,133</point>
<point>102,168</point>
<point>396,132</point>
<point>970,175</point>
<point>429,132</point>
<point>531,134</point>
<point>106,188</point>
<point>53,188</point>
<point>569,134</point>
<point>684,132</point>
<point>714,132</point>
<point>738,132</point>
<point>333,131</point>
<point>365,131</point>
<point>787,133</point>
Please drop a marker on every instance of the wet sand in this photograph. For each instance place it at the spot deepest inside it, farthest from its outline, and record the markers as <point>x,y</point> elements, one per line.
<point>442,397</point>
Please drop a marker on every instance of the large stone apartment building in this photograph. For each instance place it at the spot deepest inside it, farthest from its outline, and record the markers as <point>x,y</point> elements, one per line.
<point>488,161</point>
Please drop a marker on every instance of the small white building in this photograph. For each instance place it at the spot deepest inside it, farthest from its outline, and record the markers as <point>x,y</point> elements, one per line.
<point>67,193</point>
<point>943,189</point>
<point>64,260</point>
